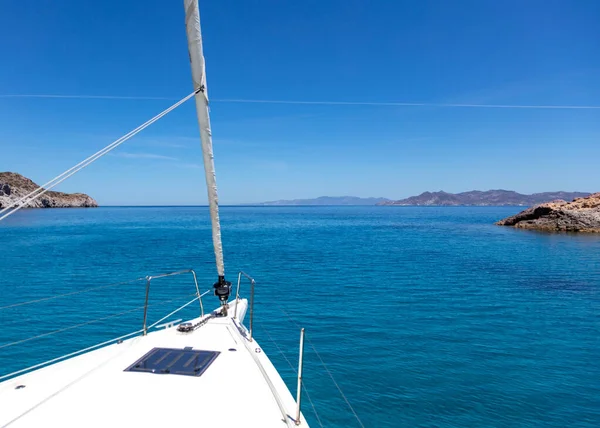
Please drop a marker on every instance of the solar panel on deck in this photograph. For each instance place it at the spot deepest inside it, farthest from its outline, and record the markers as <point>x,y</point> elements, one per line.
<point>187,362</point>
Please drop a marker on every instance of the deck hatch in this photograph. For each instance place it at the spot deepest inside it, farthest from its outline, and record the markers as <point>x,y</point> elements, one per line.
<point>187,362</point>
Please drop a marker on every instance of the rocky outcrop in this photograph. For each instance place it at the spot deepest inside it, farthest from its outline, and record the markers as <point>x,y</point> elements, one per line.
<point>14,186</point>
<point>580,215</point>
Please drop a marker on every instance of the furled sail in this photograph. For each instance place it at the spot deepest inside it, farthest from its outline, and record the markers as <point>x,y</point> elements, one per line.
<point>192,25</point>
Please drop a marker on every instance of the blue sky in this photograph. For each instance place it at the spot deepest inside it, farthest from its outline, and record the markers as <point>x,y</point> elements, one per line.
<point>459,52</point>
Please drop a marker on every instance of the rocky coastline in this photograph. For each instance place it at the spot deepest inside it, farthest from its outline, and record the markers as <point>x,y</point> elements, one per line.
<point>14,186</point>
<point>579,215</point>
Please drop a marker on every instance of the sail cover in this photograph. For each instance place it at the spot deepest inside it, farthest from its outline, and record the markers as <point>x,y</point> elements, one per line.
<point>192,25</point>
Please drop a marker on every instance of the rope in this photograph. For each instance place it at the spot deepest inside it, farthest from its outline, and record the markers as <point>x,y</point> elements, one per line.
<point>44,299</point>
<point>31,196</point>
<point>18,342</point>
<point>314,409</point>
<point>326,369</point>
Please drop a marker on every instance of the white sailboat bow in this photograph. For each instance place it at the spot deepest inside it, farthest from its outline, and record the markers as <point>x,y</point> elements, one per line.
<point>208,371</point>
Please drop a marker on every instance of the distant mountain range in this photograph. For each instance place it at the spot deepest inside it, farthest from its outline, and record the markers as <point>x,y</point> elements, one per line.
<point>487,198</point>
<point>472,198</point>
<point>330,200</point>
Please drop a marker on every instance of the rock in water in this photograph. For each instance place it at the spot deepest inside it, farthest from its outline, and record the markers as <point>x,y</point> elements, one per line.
<point>580,215</point>
<point>14,186</point>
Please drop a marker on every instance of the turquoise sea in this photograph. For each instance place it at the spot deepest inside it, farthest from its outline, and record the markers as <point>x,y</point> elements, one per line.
<point>428,317</point>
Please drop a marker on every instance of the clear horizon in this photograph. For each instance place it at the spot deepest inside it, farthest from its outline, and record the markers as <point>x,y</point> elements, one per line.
<point>259,203</point>
<point>376,98</point>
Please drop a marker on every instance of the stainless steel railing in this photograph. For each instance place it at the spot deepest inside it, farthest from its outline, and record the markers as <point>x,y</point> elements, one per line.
<point>179,272</point>
<point>119,339</point>
<point>237,298</point>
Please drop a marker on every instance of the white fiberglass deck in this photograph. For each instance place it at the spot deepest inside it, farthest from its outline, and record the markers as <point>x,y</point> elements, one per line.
<point>241,388</point>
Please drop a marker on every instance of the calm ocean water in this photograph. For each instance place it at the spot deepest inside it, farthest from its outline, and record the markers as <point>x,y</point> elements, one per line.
<point>428,317</point>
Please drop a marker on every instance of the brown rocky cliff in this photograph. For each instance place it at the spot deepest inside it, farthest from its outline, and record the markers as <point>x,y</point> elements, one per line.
<point>14,186</point>
<point>580,215</point>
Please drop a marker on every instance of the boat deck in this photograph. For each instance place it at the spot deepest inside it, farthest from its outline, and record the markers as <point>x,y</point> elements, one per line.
<point>240,388</point>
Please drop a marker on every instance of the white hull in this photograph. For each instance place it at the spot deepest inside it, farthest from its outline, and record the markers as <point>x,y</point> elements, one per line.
<point>241,388</point>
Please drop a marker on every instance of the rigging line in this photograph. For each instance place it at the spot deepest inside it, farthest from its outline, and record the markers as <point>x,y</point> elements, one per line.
<point>60,178</point>
<point>72,354</point>
<point>278,348</point>
<point>314,409</point>
<point>95,156</point>
<point>407,104</point>
<point>312,404</point>
<point>326,369</point>
<point>84,97</point>
<point>308,102</point>
<point>44,299</point>
<point>98,345</point>
<point>178,309</point>
<point>90,158</point>
<point>71,327</point>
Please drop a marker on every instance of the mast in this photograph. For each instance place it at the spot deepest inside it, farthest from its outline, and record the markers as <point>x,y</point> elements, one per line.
<point>194,37</point>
